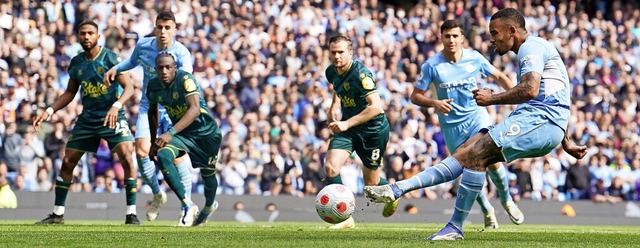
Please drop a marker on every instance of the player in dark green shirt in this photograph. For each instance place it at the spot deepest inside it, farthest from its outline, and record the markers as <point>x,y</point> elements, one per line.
<point>363,127</point>
<point>102,117</point>
<point>194,132</point>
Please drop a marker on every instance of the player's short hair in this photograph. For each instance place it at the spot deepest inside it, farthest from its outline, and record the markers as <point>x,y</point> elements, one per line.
<point>450,24</point>
<point>165,54</point>
<point>511,16</point>
<point>86,22</point>
<point>341,37</point>
<point>166,16</point>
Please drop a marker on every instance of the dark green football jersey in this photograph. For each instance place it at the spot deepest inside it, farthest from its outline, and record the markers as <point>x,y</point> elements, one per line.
<point>353,87</point>
<point>97,98</point>
<point>173,98</point>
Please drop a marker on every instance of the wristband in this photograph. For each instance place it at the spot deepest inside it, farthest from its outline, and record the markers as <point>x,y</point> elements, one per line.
<point>173,131</point>
<point>49,111</point>
<point>117,105</point>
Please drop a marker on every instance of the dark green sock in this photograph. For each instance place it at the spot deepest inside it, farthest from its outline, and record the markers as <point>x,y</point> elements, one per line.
<point>131,188</point>
<point>335,180</point>
<point>383,181</point>
<point>210,186</point>
<point>165,157</point>
<point>62,188</point>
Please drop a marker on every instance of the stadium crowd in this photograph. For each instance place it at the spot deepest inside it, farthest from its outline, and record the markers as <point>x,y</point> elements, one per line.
<point>261,65</point>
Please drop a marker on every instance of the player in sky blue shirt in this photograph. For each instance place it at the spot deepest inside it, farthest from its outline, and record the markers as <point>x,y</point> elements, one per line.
<point>144,55</point>
<point>455,72</point>
<point>534,128</point>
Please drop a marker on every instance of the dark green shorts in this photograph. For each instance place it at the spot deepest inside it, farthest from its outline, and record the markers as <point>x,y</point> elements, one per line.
<point>369,145</point>
<point>203,151</point>
<point>86,136</point>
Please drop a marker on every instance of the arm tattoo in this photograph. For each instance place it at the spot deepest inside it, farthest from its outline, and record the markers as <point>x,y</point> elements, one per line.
<point>526,90</point>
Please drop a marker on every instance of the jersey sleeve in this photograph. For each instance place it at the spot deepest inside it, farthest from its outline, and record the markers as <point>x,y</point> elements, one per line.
<point>530,59</point>
<point>189,85</point>
<point>486,68</point>
<point>367,81</point>
<point>327,74</point>
<point>129,63</point>
<point>425,78</point>
<point>184,59</point>
<point>74,67</point>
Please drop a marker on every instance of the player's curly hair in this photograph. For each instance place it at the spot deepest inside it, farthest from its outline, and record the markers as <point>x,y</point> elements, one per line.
<point>86,22</point>
<point>512,16</point>
<point>165,54</point>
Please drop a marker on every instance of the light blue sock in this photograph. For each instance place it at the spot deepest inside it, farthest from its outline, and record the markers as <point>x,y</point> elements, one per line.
<point>499,178</point>
<point>184,170</point>
<point>447,170</point>
<point>147,170</point>
<point>470,186</point>
<point>483,201</point>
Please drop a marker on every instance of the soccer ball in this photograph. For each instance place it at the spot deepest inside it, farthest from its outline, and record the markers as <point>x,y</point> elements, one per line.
<point>335,203</point>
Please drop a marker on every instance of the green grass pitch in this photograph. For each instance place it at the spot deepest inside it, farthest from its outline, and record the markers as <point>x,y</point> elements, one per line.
<point>289,234</point>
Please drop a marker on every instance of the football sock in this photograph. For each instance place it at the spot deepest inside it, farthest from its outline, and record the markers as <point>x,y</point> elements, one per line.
<point>148,173</point>
<point>166,157</point>
<point>335,180</point>
<point>483,201</point>
<point>131,190</point>
<point>447,170</point>
<point>61,191</point>
<point>499,178</point>
<point>470,186</point>
<point>184,170</point>
<point>210,186</point>
<point>383,181</point>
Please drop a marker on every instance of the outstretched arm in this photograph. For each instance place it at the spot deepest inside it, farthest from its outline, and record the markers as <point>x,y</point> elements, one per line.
<point>63,101</point>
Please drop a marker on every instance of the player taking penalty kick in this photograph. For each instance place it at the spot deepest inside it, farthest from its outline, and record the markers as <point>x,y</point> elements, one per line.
<point>536,126</point>
<point>454,72</point>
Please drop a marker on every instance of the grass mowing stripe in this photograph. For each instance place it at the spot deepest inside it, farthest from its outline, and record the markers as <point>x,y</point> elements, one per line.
<point>263,235</point>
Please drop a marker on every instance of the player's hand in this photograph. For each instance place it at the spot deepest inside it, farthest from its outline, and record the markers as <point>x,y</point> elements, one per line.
<point>339,126</point>
<point>163,140</point>
<point>483,96</point>
<point>153,151</point>
<point>575,151</point>
<point>111,118</point>
<point>39,119</point>
<point>444,107</point>
<point>110,76</point>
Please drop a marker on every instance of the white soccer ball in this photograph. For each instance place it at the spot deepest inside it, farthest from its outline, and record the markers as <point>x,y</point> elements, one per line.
<point>335,203</point>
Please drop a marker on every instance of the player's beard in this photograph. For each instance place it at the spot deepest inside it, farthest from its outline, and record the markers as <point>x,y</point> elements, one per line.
<point>88,47</point>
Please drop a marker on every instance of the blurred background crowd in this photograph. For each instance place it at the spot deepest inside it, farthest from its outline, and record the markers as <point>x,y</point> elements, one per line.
<point>261,66</point>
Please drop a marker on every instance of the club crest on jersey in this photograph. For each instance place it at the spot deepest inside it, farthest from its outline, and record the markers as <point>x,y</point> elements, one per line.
<point>346,86</point>
<point>367,83</point>
<point>469,68</point>
<point>189,85</point>
<point>99,70</point>
<point>175,95</point>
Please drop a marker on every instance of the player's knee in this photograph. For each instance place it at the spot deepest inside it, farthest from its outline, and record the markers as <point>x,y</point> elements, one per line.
<point>142,149</point>
<point>165,157</point>
<point>332,168</point>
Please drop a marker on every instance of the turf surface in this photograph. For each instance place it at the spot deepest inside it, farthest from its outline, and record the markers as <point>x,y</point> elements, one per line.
<point>280,234</point>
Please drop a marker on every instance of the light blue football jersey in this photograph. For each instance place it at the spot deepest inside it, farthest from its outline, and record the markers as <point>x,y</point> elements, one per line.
<point>538,55</point>
<point>144,54</point>
<point>455,81</point>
